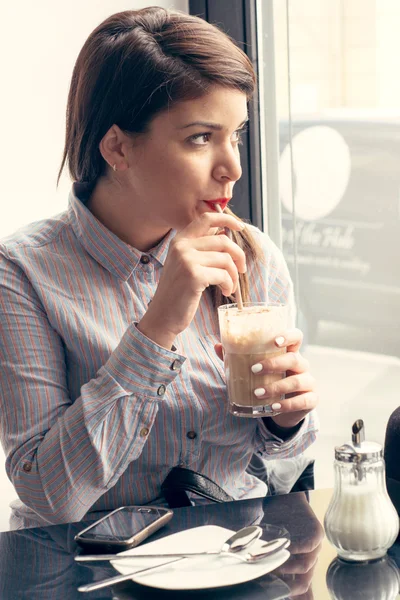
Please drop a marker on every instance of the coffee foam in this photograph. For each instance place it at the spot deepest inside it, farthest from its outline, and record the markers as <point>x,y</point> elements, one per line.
<point>253,329</point>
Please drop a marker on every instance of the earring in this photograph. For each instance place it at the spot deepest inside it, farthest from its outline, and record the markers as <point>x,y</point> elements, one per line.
<point>114,167</point>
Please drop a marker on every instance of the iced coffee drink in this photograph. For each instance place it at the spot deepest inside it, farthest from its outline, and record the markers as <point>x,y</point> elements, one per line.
<point>247,338</point>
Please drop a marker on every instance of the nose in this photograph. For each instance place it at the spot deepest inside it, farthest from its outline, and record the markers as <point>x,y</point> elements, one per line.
<point>227,166</point>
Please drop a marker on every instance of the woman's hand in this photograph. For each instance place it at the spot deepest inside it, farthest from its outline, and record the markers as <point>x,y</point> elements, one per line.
<point>196,259</point>
<point>305,546</point>
<point>298,386</point>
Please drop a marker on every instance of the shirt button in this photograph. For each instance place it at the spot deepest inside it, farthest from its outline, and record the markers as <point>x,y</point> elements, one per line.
<point>144,431</point>
<point>191,435</point>
<point>144,259</point>
<point>161,390</point>
<point>176,365</point>
<point>27,467</point>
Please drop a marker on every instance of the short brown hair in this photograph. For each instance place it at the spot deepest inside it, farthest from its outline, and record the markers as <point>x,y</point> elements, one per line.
<point>132,66</point>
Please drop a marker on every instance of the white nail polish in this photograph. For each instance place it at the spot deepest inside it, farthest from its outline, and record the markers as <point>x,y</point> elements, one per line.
<point>259,392</point>
<point>276,406</point>
<point>257,368</point>
<point>280,340</point>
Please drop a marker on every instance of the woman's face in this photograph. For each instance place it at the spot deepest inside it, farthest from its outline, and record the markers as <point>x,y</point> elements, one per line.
<point>189,154</point>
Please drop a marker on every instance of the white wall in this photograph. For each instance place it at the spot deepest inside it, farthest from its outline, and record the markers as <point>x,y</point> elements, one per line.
<point>39,44</point>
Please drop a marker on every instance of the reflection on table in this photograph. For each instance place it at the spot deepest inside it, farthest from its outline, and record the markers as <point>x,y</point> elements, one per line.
<point>39,563</point>
<point>369,581</point>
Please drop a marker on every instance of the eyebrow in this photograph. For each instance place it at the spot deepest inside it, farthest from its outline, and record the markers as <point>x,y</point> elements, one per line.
<point>209,125</point>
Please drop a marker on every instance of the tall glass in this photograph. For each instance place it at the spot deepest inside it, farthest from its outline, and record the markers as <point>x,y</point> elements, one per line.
<point>248,337</point>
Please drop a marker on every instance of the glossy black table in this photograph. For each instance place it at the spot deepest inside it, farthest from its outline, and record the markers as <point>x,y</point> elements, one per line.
<point>39,563</point>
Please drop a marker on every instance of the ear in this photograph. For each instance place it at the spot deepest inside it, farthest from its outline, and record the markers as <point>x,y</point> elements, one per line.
<point>113,148</point>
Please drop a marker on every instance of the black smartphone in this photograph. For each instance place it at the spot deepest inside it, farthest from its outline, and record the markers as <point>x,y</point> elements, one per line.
<point>123,528</point>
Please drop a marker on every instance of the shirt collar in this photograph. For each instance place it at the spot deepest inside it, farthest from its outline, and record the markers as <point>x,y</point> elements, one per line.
<point>103,245</point>
<point>159,252</point>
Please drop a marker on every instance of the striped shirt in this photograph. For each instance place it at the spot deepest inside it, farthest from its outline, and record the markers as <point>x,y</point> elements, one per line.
<point>93,413</point>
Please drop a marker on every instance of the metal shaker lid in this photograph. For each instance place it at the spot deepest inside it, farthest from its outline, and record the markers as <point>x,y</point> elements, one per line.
<point>358,450</point>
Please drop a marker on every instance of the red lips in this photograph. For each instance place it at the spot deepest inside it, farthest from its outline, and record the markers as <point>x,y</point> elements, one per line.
<point>221,201</point>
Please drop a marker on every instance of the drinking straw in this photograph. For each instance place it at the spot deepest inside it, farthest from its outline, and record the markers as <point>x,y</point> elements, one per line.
<point>238,293</point>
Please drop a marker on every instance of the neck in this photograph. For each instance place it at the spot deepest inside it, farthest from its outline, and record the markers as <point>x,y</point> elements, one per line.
<point>126,218</point>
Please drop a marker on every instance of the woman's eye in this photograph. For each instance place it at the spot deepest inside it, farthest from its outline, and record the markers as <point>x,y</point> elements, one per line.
<point>200,139</point>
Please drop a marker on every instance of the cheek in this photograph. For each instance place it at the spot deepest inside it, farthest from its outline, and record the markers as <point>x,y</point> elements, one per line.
<point>173,169</point>
<point>192,167</point>
<point>183,172</point>
<point>153,172</point>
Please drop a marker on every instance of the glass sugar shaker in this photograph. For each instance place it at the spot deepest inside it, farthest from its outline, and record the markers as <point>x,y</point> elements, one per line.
<point>361,521</point>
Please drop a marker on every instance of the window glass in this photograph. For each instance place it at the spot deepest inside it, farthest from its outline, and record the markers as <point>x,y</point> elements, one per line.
<point>338,109</point>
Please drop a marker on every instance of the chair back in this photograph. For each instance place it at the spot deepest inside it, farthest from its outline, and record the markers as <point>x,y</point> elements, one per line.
<point>392,446</point>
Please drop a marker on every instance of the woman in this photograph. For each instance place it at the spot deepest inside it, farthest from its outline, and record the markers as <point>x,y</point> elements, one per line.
<point>108,311</point>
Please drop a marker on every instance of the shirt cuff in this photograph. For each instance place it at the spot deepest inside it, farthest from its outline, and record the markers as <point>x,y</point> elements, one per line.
<point>282,433</point>
<point>269,445</point>
<point>140,366</point>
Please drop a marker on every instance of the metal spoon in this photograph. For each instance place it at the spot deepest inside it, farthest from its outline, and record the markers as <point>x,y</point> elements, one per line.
<point>238,541</point>
<point>266,549</point>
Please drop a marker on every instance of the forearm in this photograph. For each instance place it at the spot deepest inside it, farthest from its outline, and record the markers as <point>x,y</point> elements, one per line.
<point>61,475</point>
<point>63,466</point>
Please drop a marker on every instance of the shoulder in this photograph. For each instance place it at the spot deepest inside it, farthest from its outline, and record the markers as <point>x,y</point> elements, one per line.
<point>270,251</point>
<point>34,235</point>
<point>269,276</point>
<point>21,251</point>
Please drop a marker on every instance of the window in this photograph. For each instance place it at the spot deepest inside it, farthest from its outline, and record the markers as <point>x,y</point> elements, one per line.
<point>337,172</point>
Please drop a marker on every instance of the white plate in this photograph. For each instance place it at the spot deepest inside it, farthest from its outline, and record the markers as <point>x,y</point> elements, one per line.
<point>198,572</point>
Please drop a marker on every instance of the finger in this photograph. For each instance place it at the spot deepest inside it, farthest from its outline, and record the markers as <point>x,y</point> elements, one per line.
<point>290,361</point>
<point>301,563</point>
<point>219,351</point>
<point>312,541</point>
<point>294,384</point>
<point>301,403</point>
<point>291,340</point>
<point>220,260</point>
<point>222,244</point>
<point>289,412</point>
<point>220,277</point>
<point>209,220</point>
<point>299,584</point>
